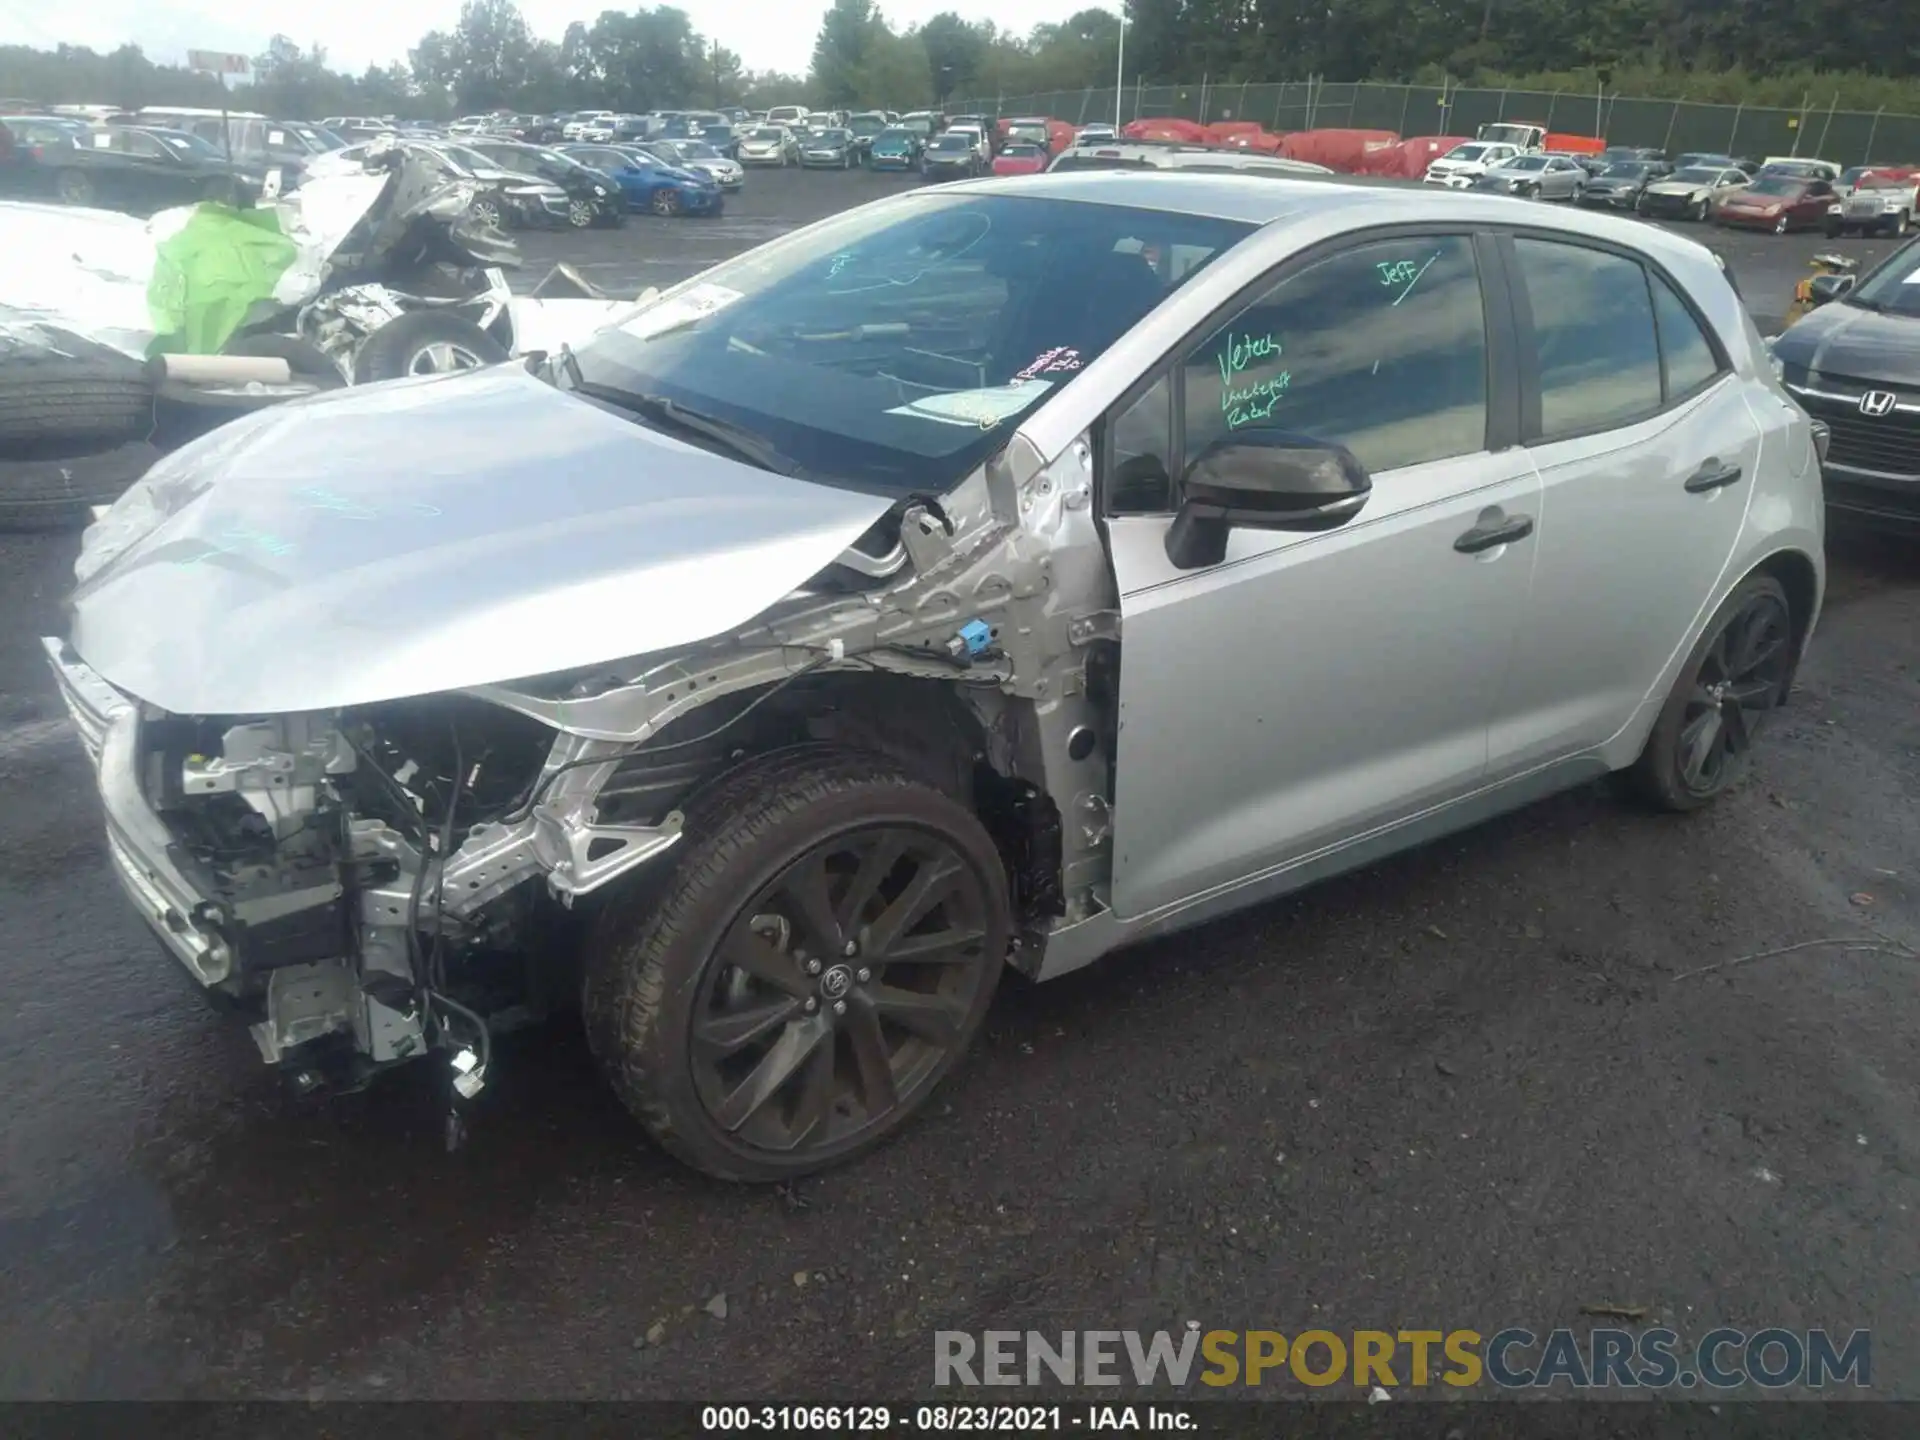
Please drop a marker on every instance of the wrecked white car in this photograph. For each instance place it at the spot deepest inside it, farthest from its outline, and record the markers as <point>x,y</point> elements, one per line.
<point>984,576</point>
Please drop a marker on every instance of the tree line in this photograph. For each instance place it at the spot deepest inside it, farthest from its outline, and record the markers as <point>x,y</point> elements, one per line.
<point>1864,53</point>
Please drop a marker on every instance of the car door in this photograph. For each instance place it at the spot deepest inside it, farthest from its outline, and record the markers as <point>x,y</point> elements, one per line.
<point>1646,450</point>
<point>1818,201</point>
<point>1316,687</point>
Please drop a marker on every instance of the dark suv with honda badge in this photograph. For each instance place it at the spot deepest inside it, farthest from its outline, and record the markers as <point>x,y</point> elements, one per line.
<point>1854,362</point>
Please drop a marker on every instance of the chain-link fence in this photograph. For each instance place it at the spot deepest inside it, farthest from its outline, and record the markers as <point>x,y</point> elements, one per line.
<point>1847,137</point>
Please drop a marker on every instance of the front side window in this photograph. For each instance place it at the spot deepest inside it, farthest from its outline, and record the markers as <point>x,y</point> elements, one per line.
<point>1597,359</point>
<point>894,347</point>
<point>1381,348</point>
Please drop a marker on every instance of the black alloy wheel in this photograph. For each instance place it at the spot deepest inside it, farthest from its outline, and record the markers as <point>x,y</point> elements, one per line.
<point>1738,675</point>
<point>806,973</point>
<point>840,990</point>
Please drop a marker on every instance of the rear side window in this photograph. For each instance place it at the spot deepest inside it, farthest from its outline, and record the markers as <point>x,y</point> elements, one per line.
<point>1597,357</point>
<point>1684,348</point>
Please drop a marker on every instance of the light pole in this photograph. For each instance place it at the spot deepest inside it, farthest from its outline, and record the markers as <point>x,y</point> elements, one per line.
<point>1120,68</point>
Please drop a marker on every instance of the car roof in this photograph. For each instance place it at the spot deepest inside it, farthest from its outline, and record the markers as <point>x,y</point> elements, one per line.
<point>1267,199</point>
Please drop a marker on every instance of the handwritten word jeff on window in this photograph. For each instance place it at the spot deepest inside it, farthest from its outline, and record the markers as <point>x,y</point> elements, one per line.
<point>1403,274</point>
<point>1058,361</point>
<point>1241,351</point>
<point>1243,405</point>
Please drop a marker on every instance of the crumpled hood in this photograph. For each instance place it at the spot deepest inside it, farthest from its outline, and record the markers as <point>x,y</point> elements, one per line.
<point>429,535</point>
<point>1842,339</point>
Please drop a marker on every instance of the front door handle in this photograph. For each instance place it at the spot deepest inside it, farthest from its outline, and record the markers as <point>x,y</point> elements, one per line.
<point>1712,475</point>
<point>1489,533</point>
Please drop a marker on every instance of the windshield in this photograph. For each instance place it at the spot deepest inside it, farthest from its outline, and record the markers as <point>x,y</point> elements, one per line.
<point>555,166</point>
<point>472,159</point>
<point>918,126</point>
<point>1037,134</point>
<point>1466,152</point>
<point>894,139</point>
<point>831,137</point>
<point>1696,175</point>
<point>1894,286</point>
<point>1526,162</point>
<point>1775,185</point>
<point>951,143</point>
<point>1021,152</point>
<point>1626,170</point>
<point>894,347</point>
<point>767,132</point>
<point>1883,182</point>
<point>866,124</point>
<point>696,150</point>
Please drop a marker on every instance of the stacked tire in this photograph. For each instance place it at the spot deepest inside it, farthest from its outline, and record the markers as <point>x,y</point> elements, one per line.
<point>76,422</point>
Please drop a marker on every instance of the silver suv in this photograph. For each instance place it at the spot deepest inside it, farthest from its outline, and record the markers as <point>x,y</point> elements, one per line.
<point>992,575</point>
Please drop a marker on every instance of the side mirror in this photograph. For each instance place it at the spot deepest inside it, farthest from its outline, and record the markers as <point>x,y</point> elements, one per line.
<point>1823,288</point>
<point>1262,479</point>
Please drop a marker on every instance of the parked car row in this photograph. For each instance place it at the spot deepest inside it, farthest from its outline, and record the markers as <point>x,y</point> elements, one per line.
<point>1779,194</point>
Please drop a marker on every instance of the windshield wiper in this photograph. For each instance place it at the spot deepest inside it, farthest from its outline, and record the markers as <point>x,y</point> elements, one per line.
<point>672,415</point>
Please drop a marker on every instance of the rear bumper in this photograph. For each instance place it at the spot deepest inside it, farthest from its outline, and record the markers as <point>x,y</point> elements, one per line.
<point>138,843</point>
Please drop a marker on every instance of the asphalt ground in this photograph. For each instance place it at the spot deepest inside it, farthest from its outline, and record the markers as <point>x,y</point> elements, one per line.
<point>1473,1087</point>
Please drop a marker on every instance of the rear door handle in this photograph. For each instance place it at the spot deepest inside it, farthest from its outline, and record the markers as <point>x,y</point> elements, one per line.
<point>1490,533</point>
<point>1712,475</point>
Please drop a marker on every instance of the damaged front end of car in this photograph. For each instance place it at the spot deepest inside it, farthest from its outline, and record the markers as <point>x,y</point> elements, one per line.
<point>403,873</point>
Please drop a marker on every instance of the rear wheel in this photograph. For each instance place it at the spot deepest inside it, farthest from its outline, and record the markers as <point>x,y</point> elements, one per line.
<point>1780,226</point>
<point>73,187</point>
<point>427,342</point>
<point>1734,680</point>
<point>814,964</point>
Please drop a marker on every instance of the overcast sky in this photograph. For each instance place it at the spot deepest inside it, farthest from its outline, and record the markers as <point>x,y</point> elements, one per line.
<point>767,34</point>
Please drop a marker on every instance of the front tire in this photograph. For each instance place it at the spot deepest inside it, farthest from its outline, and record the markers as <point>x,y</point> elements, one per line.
<point>1780,226</point>
<point>1737,675</point>
<point>819,956</point>
<point>1697,211</point>
<point>665,202</point>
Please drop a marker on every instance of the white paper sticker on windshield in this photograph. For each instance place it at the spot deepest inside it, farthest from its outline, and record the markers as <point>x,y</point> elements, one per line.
<point>686,308</point>
<point>981,408</point>
<point>1913,279</point>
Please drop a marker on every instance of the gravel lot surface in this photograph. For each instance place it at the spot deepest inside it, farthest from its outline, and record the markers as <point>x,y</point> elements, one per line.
<point>1467,1088</point>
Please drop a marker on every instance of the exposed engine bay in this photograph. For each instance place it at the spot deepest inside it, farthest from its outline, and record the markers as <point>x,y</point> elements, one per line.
<point>383,881</point>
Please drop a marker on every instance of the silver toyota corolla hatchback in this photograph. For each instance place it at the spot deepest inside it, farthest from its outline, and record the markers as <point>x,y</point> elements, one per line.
<point>990,576</point>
